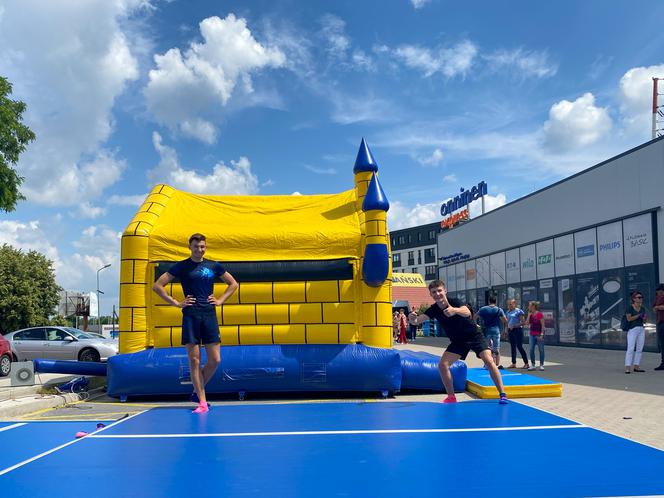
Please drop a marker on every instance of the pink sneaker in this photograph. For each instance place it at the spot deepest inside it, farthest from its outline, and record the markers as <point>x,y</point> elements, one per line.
<point>201,408</point>
<point>450,399</point>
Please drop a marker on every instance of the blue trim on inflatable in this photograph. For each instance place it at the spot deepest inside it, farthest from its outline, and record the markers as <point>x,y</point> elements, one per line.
<point>375,198</point>
<point>70,367</point>
<point>260,368</point>
<point>419,371</point>
<point>364,160</point>
<point>375,265</point>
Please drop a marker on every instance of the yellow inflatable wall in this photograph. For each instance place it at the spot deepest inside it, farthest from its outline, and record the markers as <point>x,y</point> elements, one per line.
<point>313,228</point>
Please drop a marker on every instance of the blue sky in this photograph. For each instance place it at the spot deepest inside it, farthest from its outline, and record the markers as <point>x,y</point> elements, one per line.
<point>273,97</point>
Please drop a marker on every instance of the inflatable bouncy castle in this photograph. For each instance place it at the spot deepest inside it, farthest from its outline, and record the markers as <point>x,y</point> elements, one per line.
<point>312,269</point>
<point>313,310</point>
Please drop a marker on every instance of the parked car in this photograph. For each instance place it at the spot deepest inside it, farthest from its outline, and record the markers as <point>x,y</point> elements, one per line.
<point>60,343</point>
<point>6,357</point>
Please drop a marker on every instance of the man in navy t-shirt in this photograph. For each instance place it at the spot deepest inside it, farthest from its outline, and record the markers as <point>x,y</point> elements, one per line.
<point>493,319</point>
<point>199,318</point>
<point>456,320</point>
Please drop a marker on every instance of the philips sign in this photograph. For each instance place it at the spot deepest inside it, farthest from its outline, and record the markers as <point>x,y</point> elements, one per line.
<point>463,199</point>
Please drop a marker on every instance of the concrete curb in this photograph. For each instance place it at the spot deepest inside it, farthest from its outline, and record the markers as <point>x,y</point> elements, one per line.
<point>14,408</point>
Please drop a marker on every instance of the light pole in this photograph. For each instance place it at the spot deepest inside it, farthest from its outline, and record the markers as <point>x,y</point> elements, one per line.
<point>98,300</point>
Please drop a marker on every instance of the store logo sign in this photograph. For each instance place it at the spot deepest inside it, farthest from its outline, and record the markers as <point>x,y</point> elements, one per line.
<point>529,263</point>
<point>585,251</point>
<point>610,246</point>
<point>545,259</point>
<point>463,199</point>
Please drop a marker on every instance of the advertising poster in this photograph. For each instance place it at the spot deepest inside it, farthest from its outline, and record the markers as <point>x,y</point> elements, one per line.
<point>563,249</point>
<point>497,264</point>
<point>545,262</point>
<point>512,270</point>
<point>483,275</point>
<point>610,246</point>
<point>637,233</point>
<point>585,251</point>
<point>566,312</point>
<point>587,304</point>
<point>547,299</point>
<point>528,267</point>
<point>471,275</point>
<point>460,270</point>
<point>612,307</point>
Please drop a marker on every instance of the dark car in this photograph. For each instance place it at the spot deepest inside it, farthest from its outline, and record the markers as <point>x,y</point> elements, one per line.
<point>6,357</point>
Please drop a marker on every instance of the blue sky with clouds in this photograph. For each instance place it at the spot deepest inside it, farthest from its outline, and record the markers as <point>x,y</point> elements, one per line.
<point>273,97</point>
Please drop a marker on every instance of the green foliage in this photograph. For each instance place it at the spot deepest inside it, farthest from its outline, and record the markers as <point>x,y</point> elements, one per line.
<point>14,136</point>
<point>28,292</point>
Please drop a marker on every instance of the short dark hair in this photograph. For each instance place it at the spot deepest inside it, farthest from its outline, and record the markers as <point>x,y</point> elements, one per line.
<point>197,237</point>
<point>436,283</point>
<point>492,299</point>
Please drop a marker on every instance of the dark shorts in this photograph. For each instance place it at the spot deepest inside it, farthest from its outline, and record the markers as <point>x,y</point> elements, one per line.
<point>200,328</point>
<point>461,346</point>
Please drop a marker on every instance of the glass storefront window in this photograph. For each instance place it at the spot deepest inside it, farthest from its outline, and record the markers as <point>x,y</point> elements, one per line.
<point>587,304</point>
<point>566,311</point>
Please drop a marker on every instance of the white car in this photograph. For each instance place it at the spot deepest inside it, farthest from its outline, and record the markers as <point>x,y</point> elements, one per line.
<point>60,343</point>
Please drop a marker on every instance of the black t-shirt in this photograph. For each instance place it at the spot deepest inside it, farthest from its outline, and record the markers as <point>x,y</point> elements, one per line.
<point>197,280</point>
<point>456,327</point>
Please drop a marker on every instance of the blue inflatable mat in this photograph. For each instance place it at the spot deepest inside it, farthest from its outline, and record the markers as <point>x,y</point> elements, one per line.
<point>260,368</point>
<point>419,371</point>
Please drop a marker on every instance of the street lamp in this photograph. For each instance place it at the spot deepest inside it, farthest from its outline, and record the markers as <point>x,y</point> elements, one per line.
<point>98,300</point>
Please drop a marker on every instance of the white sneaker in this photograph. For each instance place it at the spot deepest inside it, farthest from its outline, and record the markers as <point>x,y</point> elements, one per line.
<point>541,368</point>
<point>531,368</point>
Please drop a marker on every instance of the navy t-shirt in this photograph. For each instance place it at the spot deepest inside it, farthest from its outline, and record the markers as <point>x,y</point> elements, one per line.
<point>490,316</point>
<point>456,327</point>
<point>197,280</point>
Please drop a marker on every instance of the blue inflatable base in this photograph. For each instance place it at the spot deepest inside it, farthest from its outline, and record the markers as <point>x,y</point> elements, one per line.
<point>260,368</point>
<point>419,371</point>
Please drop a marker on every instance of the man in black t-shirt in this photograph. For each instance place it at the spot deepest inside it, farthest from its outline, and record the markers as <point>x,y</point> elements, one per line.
<point>456,320</point>
<point>199,317</point>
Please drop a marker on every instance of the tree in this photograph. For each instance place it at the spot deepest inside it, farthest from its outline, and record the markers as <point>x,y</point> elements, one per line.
<point>28,292</point>
<point>14,136</point>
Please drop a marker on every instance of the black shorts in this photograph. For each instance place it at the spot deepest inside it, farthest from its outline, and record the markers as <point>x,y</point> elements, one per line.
<point>200,328</point>
<point>476,341</point>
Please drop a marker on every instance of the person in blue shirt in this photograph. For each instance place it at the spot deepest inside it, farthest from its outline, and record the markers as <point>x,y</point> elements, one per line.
<point>493,319</point>
<point>515,320</point>
<point>199,316</point>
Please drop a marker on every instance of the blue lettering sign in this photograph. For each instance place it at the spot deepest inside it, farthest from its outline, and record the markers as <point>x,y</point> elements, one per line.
<point>585,251</point>
<point>464,198</point>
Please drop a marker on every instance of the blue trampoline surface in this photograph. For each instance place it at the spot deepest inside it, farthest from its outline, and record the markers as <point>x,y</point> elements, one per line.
<point>342,449</point>
<point>510,378</point>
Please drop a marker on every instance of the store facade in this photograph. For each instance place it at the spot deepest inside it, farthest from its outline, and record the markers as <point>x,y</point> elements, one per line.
<point>579,247</point>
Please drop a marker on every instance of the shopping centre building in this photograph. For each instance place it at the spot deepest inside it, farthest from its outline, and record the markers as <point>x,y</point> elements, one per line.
<point>579,246</point>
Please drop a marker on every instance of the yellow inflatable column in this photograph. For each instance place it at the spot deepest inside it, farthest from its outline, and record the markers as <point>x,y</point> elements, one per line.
<point>136,275</point>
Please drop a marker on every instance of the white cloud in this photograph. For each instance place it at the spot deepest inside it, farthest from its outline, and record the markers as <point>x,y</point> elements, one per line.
<point>527,63</point>
<point>127,200</point>
<point>636,98</point>
<point>86,210</point>
<point>333,31</point>
<point>418,4</point>
<point>236,179</point>
<point>321,171</point>
<point>575,124</point>
<point>69,74</point>
<point>434,159</point>
<point>450,62</point>
<point>185,87</point>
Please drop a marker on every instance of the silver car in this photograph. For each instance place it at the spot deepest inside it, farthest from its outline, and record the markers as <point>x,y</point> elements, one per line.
<point>60,343</point>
